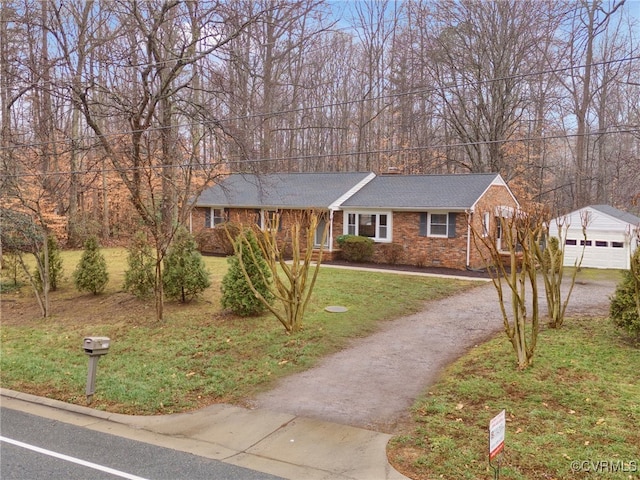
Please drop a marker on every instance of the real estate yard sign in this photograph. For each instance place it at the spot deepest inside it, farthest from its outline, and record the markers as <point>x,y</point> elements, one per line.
<point>497,427</point>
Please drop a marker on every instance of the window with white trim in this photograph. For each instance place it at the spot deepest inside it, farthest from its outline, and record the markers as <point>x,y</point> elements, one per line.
<point>270,219</point>
<point>366,224</point>
<point>438,223</point>
<point>213,217</point>
<point>485,224</point>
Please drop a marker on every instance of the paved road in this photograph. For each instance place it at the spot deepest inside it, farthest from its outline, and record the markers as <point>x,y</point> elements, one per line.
<point>33,447</point>
<point>373,383</point>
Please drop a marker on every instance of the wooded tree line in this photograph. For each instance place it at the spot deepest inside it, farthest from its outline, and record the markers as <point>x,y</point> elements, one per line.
<point>110,108</point>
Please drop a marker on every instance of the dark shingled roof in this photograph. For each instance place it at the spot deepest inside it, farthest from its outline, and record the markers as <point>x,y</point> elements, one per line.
<point>280,190</point>
<point>619,214</point>
<point>446,192</point>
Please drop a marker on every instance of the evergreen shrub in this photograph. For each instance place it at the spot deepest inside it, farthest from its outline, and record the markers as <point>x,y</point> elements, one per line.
<point>91,274</point>
<point>356,248</point>
<point>55,265</point>
<point>237,295</point>
<point>625,304</point>
<point>185,274</point>
<point>139,278</point>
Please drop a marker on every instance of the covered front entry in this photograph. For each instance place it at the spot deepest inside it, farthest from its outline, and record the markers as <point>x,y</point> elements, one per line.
<point>322,225</point>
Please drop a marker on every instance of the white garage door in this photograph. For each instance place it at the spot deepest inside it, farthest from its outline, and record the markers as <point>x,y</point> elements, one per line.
<point>601,251</point>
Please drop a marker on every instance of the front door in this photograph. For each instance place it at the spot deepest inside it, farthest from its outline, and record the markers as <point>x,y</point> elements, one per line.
<point>322,224</point>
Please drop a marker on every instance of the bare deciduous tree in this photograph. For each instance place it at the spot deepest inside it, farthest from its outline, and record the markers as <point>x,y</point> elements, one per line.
<point>521,233</point>
<point>549,252</point>
<point>590,20</point>
<point>146,96</point>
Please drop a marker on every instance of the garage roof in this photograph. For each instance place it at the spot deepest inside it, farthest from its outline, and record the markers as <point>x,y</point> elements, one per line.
<point>619,214</point>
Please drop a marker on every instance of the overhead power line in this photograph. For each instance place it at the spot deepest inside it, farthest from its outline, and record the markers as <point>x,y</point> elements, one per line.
<point>387,151</point>
<point>425,91</point>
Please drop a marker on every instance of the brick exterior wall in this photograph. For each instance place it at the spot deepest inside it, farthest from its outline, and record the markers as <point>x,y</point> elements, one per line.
<point>494,197</point>
<point>408,246</point>
<point>213,240</point>
<point>425,251</point>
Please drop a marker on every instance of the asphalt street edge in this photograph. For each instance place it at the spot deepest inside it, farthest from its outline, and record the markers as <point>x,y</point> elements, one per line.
<point>279,444</point>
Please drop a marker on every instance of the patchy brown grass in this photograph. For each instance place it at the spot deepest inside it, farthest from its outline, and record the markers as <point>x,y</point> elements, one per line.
<point>199,354</point>
<point>580,402</point>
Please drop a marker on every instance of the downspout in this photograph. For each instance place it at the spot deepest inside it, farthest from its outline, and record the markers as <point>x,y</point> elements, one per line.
<point>191,222</point>
<point>331,210</point>
<point>469,219</point>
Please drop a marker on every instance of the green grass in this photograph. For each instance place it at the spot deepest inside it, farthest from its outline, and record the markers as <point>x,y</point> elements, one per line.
<point>580,401</point>
<point>198,355</point>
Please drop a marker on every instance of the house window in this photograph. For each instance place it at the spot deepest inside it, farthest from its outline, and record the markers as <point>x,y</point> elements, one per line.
<point>485,224</point>
<point>586,243</point>
<point>367,225</point>
<point>213,217</point>
<point>437,224</point>
<point>382,226</point>
<point>372,225</point>
<point>571,242</point>
<point>601,243</point>
<point>270,220</point>
<point>498,221</point>
<point>351,224</point>
<point>617,244</point>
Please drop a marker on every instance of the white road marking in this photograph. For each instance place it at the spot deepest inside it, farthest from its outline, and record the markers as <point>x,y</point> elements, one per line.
<point>61,456</point>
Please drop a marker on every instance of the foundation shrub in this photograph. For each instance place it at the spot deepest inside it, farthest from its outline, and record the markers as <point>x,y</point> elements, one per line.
<point>356,248</point>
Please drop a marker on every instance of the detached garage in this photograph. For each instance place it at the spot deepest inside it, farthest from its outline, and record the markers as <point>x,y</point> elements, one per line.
<point>612,235</point>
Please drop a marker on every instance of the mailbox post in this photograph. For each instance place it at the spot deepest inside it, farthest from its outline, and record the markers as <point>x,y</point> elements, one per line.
<point>95,347</point>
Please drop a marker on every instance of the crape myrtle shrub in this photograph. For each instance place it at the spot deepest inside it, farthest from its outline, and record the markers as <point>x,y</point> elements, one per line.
<point>553,247</point>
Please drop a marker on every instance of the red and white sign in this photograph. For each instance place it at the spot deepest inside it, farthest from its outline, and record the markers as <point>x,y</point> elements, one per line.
<point>497,427</point>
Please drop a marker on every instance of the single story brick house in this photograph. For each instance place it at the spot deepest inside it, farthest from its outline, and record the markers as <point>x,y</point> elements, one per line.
<point>423,220</point>
<point>612,236</point>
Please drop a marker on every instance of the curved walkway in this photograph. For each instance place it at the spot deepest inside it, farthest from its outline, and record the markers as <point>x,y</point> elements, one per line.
<point>373,383</point>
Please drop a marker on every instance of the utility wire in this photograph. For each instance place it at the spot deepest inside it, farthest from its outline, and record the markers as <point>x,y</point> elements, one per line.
<point>387,151</point>
<point>424,91</point>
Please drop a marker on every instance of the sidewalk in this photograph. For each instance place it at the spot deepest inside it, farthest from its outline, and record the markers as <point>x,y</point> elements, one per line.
<point>276,443</point>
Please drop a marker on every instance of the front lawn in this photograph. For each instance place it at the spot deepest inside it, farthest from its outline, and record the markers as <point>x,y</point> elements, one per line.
<point>574,414</point>
<point>199,354</point>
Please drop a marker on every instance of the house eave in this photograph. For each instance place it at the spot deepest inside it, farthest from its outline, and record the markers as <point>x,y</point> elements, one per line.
<point>413,208</point>
<point>266,207</point>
